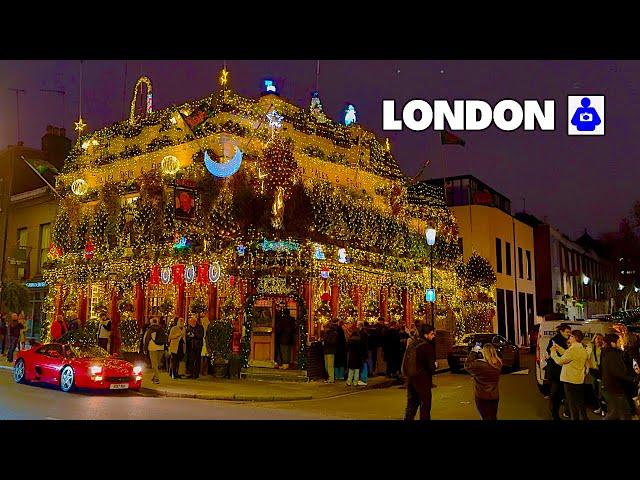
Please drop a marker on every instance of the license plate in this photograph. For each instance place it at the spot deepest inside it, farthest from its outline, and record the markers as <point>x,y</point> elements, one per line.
<point>119,386</point>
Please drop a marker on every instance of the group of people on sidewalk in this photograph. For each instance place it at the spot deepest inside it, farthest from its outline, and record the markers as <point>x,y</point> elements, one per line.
<point>168,346</point>
<point>355,354</point>
<point>608,365</point>
<point>13,334</point>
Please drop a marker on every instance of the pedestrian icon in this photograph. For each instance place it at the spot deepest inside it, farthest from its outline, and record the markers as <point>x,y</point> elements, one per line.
<point>586,118</point>
<point>586,115</point>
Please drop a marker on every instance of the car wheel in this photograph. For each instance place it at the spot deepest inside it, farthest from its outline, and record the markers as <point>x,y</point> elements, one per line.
<point>67,379</point>
<point>19,373</point>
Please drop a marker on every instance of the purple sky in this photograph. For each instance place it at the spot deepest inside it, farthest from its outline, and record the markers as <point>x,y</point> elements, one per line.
<point>576,182</point>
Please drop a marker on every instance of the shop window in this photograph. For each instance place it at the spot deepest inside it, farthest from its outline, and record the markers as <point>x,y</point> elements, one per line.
<point>22,242</point>
<point>45,241</point>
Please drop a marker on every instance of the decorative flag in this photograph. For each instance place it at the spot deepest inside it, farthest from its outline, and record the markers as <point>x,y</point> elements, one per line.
<point>203,273</point>
<point>448,138</point>
<point>178,274</point>
<point>154,278</point>
<point>196,118</point>
<point>41,166</point>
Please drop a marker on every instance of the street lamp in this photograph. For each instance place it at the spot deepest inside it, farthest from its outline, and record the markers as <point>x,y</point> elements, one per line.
<point>431,240</point>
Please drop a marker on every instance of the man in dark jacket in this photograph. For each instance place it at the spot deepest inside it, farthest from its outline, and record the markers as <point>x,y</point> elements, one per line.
<point>14,334</point>
<point>3,332</point>
<point>287,337</point>
<point>616,379</point>
<point>329,345</point>
<point>194,336</point>
<point>553,369</point>
<point>392,350</point>
<point>420,380</point>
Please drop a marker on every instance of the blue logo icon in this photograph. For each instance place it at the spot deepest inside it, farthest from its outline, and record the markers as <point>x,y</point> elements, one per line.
<point>586,118</point>
<point>430,295</point>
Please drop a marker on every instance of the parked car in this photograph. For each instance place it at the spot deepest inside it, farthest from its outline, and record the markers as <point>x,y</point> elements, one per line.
<point>507,351</point>
<point>75,366</point>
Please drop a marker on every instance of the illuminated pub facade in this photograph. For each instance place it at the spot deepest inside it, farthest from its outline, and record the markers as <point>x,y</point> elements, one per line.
<point>235,205</point>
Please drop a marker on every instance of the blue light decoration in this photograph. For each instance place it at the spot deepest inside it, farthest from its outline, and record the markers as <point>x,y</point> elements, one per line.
<point>214,272</point>
<point>190,273</point>
<point>319,255</point>
<point>182,244</point>
<point>430,295</point>
<point>240,249</point>
<point>269,87</point>
<point>324,273</point>
<point>282,246</point>
<point>165,275</point>
<point>349,115</point>
<point>35,284</point>
<point>275,120</point>
<point>223,170</point>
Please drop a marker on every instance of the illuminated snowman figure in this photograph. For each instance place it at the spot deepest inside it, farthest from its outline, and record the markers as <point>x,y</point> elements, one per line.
<point>350,115</point>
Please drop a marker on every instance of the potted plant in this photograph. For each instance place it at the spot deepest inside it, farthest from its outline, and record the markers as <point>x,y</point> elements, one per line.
<point>219,336</point>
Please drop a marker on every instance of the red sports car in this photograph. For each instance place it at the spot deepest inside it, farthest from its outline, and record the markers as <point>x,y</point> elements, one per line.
<point>75,366</point>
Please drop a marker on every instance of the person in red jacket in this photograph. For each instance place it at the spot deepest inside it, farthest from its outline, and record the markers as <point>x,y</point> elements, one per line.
<point>58,328</point>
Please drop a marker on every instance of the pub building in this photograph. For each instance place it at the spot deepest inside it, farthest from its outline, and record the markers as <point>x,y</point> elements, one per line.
<point>243,206</point>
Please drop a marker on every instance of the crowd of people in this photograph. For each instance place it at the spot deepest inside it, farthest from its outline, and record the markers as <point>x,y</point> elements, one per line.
<point>606,369</point>
<point>13,333</point>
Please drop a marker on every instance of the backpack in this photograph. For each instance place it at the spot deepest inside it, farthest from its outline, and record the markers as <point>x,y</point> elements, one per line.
<point>161,337</point>
<point>410,361</point>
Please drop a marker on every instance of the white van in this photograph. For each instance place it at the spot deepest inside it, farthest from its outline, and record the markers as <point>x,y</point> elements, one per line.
<point>548,329</point>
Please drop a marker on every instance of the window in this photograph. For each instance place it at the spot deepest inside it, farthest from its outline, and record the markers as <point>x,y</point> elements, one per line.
<point>96,300</point>
<point>511,326</point>
<point>22,242</point>
<point>461,245</point>
<point>498,255</point>
<point>500,307</point>
<point>45,241</point>
<point>520,263</point>
<point>528,265</point>
<point>507,252</point>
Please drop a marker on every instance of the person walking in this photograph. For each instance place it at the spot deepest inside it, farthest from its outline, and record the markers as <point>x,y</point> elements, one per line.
<point>3,332</point>
<point>553,370</point>
<point>364,338</point>
<point>630,346</point>
<point>340,360</point>
<point>356,359</point>
<point>287,337</point>
<point>485,366</point>
<point>329,345</point>
<point>617,380</point>
<point>381,330</point>
<point>419,366</point>
<point>595,359</point>
<point>392,350</point>
<point>206,360</point>
<point>573,362</point>
<point>104,332</point>
<point>58,328</point>
<point>194,338</point>
<point>22,338</point>
<point>154,346</point>
<point>177,342</point>
<point>14,335</point>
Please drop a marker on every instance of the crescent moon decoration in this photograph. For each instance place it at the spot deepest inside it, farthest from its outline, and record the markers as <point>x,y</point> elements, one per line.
<point>214,272</point>
<point>165,275</point>
<point>190,273</point>
<point>223,170</point>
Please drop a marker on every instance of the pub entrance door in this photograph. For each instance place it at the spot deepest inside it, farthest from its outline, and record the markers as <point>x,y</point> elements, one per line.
<point>263,329</point>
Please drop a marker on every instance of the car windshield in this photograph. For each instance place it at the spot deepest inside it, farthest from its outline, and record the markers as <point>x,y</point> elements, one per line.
<point>87,351</point>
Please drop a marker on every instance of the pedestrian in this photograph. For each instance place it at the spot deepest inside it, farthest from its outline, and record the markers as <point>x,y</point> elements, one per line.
<point>3,332</point>
<point>403,334</point>
<point>22,339</point>
<point>595,358</point>
<point>340,360</point>
<point>381,330</point>
<point>617,380</point>
<point>371,347</point>
<point>177,342</point>
<point>14,335</point>
<point>419,366</point>
<point>143,332</point>
<point>58,328</point>
<point>630,346</point>
<point>391,350</point>
<point>72,323</point>
<point>364,338</point>
<point>194,337</point>
<point>329,345</point>
<point>553,370</point>
<point>356,358</point>
<point>287,337</point>
<point>277,333</point>
<point>573,361</point>
<point>206,362</point>
<point>104,332</point>
<point>154,343</point>
<point>485,366</point>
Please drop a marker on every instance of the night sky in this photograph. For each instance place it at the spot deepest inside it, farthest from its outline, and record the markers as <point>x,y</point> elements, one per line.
<point>575,182</point>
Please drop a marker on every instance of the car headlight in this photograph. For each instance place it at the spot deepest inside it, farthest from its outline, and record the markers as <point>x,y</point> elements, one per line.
<point>137,370</point>
<point>96,370</point>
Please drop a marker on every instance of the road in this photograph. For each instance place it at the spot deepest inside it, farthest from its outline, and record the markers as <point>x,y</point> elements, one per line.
<point>452,400</point>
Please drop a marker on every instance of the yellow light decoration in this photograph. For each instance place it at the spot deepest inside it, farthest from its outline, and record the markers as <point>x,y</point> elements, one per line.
<point>79,187</point>
<point>224,77</point>
<point>80,126</point>
<point>170,165</point>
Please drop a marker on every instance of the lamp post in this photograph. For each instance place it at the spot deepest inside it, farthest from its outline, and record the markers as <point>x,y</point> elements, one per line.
<point>431,240</point>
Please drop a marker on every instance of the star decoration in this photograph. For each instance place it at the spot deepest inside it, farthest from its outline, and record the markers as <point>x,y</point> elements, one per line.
<point>275,119</point>
<point>224,74</point>
<point>80,125</point>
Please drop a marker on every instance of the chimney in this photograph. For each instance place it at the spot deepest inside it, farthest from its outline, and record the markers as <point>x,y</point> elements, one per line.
<point>56,145</point>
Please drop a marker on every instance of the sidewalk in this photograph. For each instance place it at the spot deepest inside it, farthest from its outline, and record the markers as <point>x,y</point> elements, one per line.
<point>209,388</point>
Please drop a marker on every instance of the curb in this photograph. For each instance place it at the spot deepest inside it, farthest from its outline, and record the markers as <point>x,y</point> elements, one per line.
<point>6,367</point>
<point>226,397</point>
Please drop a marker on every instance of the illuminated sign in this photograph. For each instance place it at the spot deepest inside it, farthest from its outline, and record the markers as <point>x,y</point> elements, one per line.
<point>319,252</point>
<point>430,295</point>
<point>282,246</point>
<point>35,284</point>
<point>273,285</point>
<point>269,87</point>
<point>350,115</point>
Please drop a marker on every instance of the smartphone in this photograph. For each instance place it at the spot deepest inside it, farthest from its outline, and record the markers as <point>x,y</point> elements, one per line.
<point>635,364</point>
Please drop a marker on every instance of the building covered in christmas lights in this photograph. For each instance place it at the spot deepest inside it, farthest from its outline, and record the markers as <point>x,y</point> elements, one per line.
<point>227,206</point>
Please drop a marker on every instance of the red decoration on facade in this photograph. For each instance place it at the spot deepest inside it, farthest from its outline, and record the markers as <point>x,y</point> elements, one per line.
<point>177,272</point>
<point>89,249</point>
<point>203,273</point>
<point>154,277</point>
<point>232,280</point>
<point>325,297</point>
